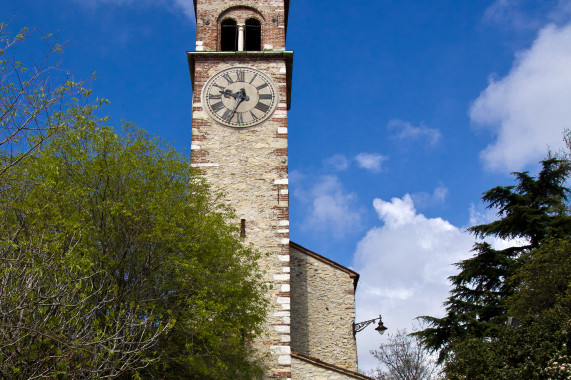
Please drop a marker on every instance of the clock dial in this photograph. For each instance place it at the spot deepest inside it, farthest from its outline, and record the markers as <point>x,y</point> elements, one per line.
<point>240,97</point>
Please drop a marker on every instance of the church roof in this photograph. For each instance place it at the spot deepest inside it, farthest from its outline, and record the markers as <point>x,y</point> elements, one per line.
<point>352,274</point>
<point>319,363</point>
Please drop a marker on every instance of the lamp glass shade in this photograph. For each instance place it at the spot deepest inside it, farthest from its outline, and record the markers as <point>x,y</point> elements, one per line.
<point>381,328</point>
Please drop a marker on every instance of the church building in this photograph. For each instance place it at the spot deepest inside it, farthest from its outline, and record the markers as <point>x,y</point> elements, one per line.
<point>241,77</point>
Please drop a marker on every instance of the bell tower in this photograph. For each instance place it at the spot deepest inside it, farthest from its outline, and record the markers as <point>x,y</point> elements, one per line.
<point>241,78</point>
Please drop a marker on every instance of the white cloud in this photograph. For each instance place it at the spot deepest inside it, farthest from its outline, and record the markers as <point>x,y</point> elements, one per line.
<point>499,9</point>
<point>296,176</point>
<point>338,162</point>
<point>370,161</point>
<point>479,215</point>
<point>527,14</point>
<point>404,266</point>
<point>187,6</point>
<point>510,12</point>
<point>438,196</point>
<point>562,11</point>
<point>528,109</point>
<point>96,2</point>
<point>330,208</point>
<point>405,130</point>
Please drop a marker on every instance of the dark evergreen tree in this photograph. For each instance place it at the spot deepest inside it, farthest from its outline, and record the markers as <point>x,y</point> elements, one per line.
<point>538,344</point>
<point>535,210</point>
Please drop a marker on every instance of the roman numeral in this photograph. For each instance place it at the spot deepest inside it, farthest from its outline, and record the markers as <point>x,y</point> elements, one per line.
<point>241,76</point>
<point>262,86</point>
<point>227,77</point>
<point>254,77</point>
<point>239,118</point>
<point>254,118</point>
<point>227,115</point>
<point>262,107</point>
<point>213,97</point>
<point>266,96</point>
<point>217,106</point>
<point>216,85</point>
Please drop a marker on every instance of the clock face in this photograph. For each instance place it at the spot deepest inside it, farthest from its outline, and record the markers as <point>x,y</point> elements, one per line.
<point>240,97</point>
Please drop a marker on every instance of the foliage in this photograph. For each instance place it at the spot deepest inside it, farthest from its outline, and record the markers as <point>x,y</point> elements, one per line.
<point>116,262</point>
<point>543,280</point>
<point>477,310</point>
<point>536,350</point>
<point>535,209</point>
<point>34,97</point>
<point>403,358</point>
<point>537,345</point>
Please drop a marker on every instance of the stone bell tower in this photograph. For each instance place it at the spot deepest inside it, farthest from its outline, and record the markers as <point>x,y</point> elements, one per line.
<point>241,78</point>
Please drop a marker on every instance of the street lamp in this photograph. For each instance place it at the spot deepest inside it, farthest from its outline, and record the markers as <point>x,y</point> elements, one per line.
<point>361,325</point>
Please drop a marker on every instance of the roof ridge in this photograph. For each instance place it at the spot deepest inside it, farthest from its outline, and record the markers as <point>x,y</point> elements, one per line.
<point>333,367</point>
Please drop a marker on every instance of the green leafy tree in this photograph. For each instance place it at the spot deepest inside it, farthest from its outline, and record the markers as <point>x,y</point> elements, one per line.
<point>534,210</point>
<point>543,280</point>
<point>117,262</point>
<point>535,349</point>
<point>35,94</point>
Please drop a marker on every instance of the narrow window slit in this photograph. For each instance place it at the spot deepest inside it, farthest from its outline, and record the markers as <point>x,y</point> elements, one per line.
<point>243,228</point>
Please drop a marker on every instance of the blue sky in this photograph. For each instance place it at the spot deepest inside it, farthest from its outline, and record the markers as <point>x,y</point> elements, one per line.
<point>403,113</point>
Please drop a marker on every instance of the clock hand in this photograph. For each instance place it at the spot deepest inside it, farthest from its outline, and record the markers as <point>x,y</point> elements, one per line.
<point>227,93</point>
<point>243,95</point>
<point>238,97</point>
<point>236,103</point>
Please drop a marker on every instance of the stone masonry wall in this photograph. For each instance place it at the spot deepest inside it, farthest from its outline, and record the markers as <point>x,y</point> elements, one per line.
<point>250,166</point>
<point>323,310</point>
<point>270,13</point>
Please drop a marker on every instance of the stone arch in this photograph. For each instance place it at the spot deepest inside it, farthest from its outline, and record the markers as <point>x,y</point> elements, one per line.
<point>253,35</point>
<point>248,32</point>
<point>228,35</point>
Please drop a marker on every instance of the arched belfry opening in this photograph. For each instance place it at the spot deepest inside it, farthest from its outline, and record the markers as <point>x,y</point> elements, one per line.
<point>228,35</point>
<point>240,29</point>
<point>253,35</point>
